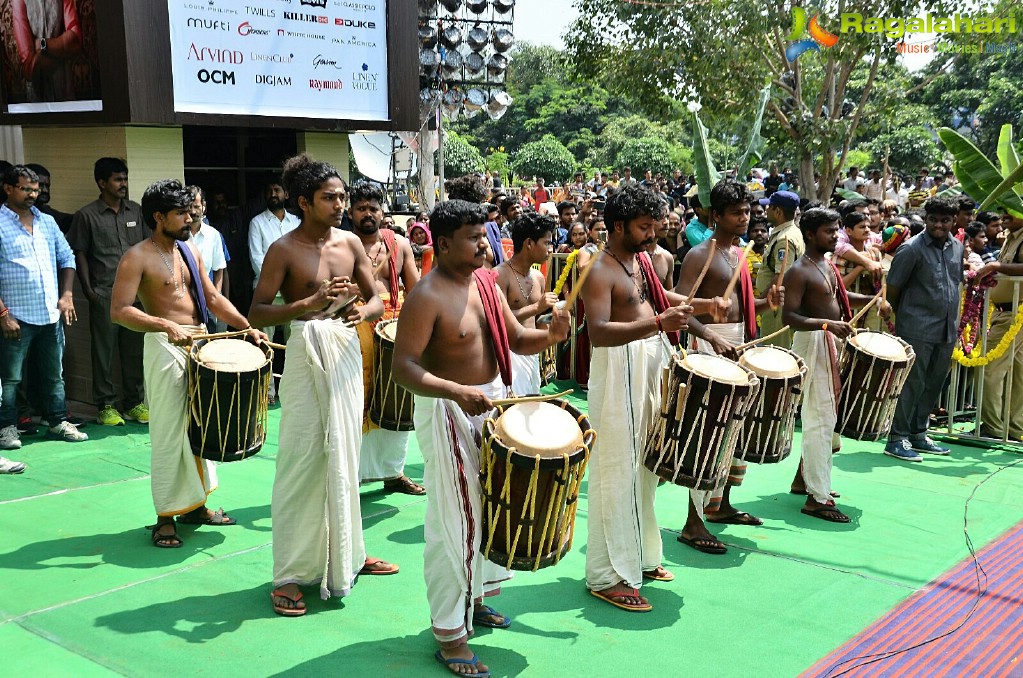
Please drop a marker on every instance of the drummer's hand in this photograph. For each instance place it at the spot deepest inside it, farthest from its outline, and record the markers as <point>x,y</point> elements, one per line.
<point>177,335</point>
<point>675,318</point>
<point>720,308</point>
<point>546,302</point>
<point>840,329</point>
<point>720,346</point>
<point>884,309</point>
<point>355,314</point>
<point>257,336</point>
<point>328,291</point>
<point>561,324</point>
<point>473,401</point>
<point>776,296</point>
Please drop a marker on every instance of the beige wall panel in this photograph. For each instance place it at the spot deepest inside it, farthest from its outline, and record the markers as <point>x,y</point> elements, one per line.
<point>329,147</point>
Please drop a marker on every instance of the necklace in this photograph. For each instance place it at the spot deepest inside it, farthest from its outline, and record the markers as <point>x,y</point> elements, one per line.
<point>381,249</point>
<point>641,291</point>
<point>518,281</point>
<point>179,289</point>
<point>728,259</point>
<point>833,288</point>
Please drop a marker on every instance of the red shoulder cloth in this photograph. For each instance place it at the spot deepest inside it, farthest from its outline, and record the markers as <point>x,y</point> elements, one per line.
<point>658,298</point>
<point>392,254</point>
<point>747,297</point>
<point>486,283</point>
<point>842,294</point>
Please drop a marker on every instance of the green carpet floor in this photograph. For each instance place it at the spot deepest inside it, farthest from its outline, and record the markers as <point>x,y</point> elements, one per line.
<point>85,594</point>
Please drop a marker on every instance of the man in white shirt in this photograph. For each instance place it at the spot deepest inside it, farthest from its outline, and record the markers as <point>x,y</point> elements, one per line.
<point>875,187</point>
<point>210,244</point>
<point>854,182</point>
<point>264,229</point>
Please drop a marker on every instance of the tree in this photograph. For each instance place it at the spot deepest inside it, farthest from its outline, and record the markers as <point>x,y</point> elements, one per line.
<point>460,157</point>
<point>647,153</point>
<point>722,52</point>
<point>547,158</point>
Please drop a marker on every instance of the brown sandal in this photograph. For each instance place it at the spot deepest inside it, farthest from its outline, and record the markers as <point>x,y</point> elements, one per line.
<point>404,485</point>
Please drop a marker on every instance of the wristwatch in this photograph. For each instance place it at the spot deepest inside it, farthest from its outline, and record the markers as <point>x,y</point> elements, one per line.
<point>42,44</point>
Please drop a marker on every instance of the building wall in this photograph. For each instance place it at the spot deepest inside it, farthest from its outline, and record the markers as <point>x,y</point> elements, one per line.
<point>329,147</point>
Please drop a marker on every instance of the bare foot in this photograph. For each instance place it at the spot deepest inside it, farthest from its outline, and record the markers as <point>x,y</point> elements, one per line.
<point>462,661</point>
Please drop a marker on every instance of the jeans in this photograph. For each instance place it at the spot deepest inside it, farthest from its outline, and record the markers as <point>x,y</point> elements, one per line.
<point>923,388</point>
<point>47,344</point>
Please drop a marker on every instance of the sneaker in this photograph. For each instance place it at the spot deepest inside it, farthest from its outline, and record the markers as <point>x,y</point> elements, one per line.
<point>109,416</point>
<point>929,446</point>
<point>9,438</point>
<point>901,449</point>
<point>12,467</point>
<point>26,426</point>
<point>67,432</point>
<point>139,413</point>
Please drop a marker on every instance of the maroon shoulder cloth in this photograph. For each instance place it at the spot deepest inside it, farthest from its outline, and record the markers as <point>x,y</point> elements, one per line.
<point>392,254</point>
<point>658,298</point>
<point>843,295</point>
<point>486,283</point>
<point>748,297</point>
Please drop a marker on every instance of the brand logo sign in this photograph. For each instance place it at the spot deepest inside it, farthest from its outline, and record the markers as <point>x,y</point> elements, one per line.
<point>302,16</point>
<point>261,11</point>
<point>216,77</point>
<point>355,6</point>
<point>272,58</point>
<point>364,80</point>
<point>315,3</point>
<point>295,34</point>
<point>320,60</point>
<point>350,23</point>
<point>273,80</point>
<point>321,85</point>
<point>818,36</point>
<point>247,29</point>
<point>216,55</point>
<point>209,24</point>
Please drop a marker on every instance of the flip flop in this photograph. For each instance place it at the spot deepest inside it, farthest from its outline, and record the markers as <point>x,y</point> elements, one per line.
<point>631,593</point>
<point>828,513</point>
<point>285,611</point>
<point>450,663</point>
<point>802,493</point>
<point>704,545</point>
<point>391,569</point>
<point>652,574</point>
<point>216,518</point>
<point>158,538</point>
<point>737,518</point>
<point>480,615</point>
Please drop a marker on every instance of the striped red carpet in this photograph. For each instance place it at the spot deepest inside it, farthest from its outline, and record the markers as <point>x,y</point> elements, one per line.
<point>990,644</point>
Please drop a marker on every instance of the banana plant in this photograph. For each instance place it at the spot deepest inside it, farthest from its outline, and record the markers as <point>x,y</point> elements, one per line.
<point>982,179</point>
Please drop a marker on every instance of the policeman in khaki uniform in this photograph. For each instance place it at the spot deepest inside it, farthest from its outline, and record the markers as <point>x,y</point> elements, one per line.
<point>782,207</point>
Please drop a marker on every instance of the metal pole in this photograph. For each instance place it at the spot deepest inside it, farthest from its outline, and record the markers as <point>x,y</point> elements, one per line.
<point>440,155</point>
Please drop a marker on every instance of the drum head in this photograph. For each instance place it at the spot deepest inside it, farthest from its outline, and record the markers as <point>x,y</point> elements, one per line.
<point>880,345</point>
<point>231,355</point>
<point>388,330</point>
<point>716,368</point>
<point>539,430</point>
<point>771,362</point>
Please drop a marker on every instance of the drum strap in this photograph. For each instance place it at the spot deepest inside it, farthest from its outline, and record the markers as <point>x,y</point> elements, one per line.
<point>657,296</point>
<point>486,283</point>
<point>748,297</point>
<point>193,270</point>
<point>494,236</point>
<point>843,295</point>
<point>392,251</point>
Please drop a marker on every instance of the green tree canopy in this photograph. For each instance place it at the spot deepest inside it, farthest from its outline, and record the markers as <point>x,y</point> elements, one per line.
<point>547,158</point>
<point>460,157</point>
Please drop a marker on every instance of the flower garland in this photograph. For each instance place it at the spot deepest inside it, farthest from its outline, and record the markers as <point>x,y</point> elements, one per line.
<point>973,304</point>
<point>563,278</point>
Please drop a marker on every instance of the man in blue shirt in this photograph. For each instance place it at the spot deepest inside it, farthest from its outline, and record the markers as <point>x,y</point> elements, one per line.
<point>37,272</point>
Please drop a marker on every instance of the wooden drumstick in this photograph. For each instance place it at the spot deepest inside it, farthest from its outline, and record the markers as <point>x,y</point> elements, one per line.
<point>569,301</point>
<point>501,402</point>
<point>276,347</point>
<point>863,311</point>
<point>218,335</point>
<point>742,347</point>
<point>737,272</point>
<point>703,273</point>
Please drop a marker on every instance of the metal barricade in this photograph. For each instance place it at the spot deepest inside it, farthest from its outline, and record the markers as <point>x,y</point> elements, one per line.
<point>964,398</point>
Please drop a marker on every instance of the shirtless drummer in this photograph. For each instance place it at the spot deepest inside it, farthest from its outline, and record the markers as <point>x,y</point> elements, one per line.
<point>394,269</point>
<point>163,272</point>
<point>456,331</point>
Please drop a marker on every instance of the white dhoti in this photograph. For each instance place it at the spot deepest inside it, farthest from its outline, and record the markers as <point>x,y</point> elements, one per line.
<point>624,396</point>
<point>383,454</point>
<point>710,500</point>
<point>180,480</point>
<point>317,521</point>
<point>457,575</point>
<point>525,374</point>
<point>819,414</point>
